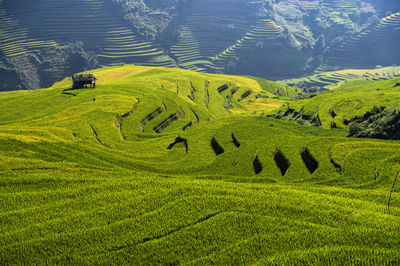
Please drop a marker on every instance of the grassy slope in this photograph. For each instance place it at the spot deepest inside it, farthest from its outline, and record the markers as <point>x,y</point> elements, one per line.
<point>80,184</point>
<point>353,98</point>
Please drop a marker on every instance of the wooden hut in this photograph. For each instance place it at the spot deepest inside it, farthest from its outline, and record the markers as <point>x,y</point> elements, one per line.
<point>83,81</point>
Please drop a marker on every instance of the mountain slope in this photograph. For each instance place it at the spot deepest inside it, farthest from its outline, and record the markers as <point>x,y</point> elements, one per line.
<point>332,79</point>
<point>270,39</point>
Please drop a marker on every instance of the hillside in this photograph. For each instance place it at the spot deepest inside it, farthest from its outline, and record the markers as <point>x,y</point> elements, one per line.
<point>332,79</point>
<point>274,39</point>
<point>337,107</point>
<point>170,166</point>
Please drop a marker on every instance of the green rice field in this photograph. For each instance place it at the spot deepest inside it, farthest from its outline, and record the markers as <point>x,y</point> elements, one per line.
<point>170,166</point>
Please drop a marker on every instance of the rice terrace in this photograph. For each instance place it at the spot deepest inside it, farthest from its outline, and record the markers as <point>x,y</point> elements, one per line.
<point>156,140</point>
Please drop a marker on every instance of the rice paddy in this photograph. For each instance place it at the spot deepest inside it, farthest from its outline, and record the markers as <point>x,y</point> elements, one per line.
<point>156,166</point>
<point>332,79</point>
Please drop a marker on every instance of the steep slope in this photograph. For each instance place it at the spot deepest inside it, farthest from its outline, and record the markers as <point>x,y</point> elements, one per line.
<point>271,39</point>
<point>33,34</point>
<point>370,47</point>
<point>91,22</point>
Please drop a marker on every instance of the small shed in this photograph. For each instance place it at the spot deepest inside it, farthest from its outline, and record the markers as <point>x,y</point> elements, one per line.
<point>83,81</point>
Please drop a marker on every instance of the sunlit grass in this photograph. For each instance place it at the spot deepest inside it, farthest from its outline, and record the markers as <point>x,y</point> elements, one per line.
<point>80,183</point>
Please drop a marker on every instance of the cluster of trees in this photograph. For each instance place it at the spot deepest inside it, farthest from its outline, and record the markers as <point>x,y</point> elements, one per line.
<point>379,123</point>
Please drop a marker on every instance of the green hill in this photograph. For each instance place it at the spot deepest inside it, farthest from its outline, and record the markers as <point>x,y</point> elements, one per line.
<point>169,166</point>
<point>346,102</point>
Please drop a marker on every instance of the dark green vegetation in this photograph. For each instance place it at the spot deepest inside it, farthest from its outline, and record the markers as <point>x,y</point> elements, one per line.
<point>155,166</point>
<point>380,123</point>
<point>275,39</point>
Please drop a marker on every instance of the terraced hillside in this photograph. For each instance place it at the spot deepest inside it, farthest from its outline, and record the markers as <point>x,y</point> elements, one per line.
<point>201,49</point>
<point>14,39</point>
<point>370,47</point>
<point>190,50</point>
<point>343,4</point>
<point>91,22</point>
<point>264,30</point>
<point>327,80</point>
<point>339,106</point>
<point>169,166</point>
<point>271,39</point>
